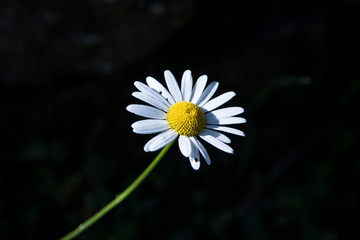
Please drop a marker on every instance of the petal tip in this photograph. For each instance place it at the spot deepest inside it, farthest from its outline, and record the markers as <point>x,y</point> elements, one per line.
<point>195,164</point>
<point>205,77</point>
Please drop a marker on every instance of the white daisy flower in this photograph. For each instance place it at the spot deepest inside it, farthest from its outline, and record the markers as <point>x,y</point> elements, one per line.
<point>186,113</point>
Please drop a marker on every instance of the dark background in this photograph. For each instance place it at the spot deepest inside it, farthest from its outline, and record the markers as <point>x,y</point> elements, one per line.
<point>66,146</point>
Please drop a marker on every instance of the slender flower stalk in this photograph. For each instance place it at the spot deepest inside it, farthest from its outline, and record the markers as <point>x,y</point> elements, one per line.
<point>82,227</point>
<point>184,113</point>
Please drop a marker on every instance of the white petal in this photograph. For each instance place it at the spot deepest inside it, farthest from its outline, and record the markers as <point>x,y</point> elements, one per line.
<point>195,163</point>
<point>160,135</point>
<point>226,112</point>
<point>194,157</point>
<point>224,121</point>
<point>153,83</point>
<point>208,93</point>
<point>146,98</point>
<point>198,89</point>
<point>150,126</point>
<point>146,111</point>
<point>164,140</point>
<point>227,129</point>
<point>216,143</point>
<point>151,92</point>
<point>201,149</point>
<point>186,85</point>
<point>173,86</point>
<point>218,101</point>
<point>217,135</point>
<point>184,145</point>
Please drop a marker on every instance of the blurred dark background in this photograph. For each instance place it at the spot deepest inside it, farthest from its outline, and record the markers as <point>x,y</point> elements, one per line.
<point>66,146</point>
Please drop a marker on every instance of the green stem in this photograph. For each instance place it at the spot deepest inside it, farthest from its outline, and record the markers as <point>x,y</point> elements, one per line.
<point>82,227</point>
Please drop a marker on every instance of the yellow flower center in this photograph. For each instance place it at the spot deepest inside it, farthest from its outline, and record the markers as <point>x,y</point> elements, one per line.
<point>186,118</point>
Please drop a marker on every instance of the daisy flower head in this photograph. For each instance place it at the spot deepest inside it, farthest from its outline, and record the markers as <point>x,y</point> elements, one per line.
<point>186,113</point>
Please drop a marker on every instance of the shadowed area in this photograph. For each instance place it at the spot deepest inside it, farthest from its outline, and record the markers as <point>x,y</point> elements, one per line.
<point>67,72</point>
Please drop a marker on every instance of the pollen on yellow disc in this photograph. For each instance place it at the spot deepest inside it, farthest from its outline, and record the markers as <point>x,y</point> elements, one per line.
<point>186,118</point>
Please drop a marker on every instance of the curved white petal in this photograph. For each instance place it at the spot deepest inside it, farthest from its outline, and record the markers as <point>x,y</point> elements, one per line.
<point>224,121</point>
<point>186,85</point>
<point>154,84</point>
<point>150,126</point>
<point>184,145</point>
<point>194,157</point>
<point>146,111</point>
<point>226,129</point>
<point>151,92</point>
<point>218,101</point>
<point>216,143</point>
<point>146,98</point>
<point>173,86</point>
<point>198,89</point>
<point>216,135</point>
<point>226,112</point>
<point>208,93</point>
<point>164,140</point>
<point>195,163</point>
<point>201,149</point>
<point>159,136</point>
